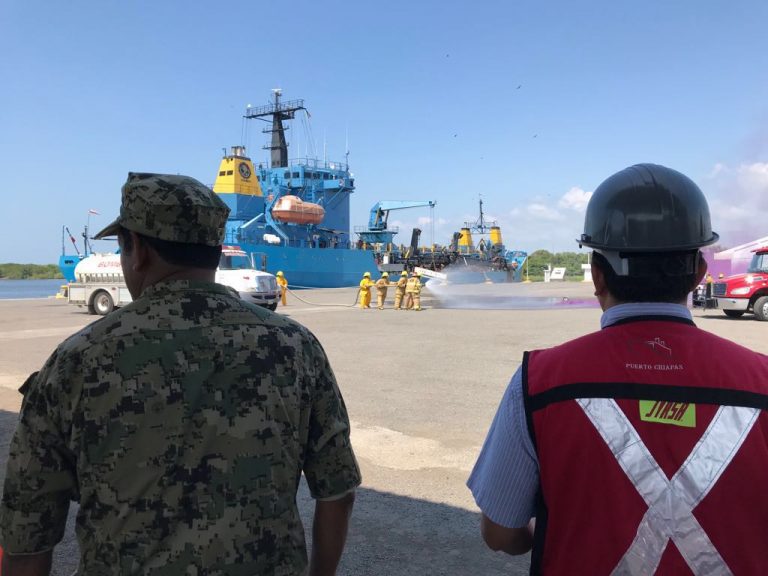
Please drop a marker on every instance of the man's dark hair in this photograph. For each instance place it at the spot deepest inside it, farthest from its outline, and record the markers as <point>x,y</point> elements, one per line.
<point>658,277</point>
<point>177,253</point>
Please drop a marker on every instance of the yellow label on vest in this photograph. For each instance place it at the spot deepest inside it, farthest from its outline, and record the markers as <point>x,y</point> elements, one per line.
<point>675,413</point>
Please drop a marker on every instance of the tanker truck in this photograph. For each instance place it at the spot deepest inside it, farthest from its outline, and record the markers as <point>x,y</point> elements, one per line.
<point>100,286</point>
<point>747,292</point>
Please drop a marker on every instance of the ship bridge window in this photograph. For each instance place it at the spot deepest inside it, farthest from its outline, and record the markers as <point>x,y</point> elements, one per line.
<point>286,175</point>
<point>326,176</point>
<point>222,173</point>
<point>296,175</point>
<point>229,172</point>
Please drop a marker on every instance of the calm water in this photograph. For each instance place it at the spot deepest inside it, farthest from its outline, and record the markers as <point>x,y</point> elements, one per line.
<point>12,289</point>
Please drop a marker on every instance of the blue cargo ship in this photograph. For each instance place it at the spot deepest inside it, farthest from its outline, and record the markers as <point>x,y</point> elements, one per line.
<point>293,215</point>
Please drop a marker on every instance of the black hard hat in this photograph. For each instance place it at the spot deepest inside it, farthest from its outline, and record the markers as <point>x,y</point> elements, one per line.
<point>647,208</point>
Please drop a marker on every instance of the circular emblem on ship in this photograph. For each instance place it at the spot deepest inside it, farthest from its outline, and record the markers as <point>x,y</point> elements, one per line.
<point>244,170</point>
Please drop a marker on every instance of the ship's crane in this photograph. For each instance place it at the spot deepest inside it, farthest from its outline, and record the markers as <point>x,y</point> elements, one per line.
<point>380,211</point>
<point>377,231</point>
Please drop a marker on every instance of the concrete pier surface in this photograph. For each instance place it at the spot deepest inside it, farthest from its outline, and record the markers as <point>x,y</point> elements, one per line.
<point>421,389</point>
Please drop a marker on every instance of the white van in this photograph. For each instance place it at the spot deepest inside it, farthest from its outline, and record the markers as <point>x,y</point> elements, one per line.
<point>99,282</point>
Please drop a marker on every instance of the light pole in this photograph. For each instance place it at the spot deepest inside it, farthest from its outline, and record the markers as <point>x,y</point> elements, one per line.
<point>87,247</point>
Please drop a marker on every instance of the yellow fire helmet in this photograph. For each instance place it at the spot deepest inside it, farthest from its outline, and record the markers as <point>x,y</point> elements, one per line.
<point>367,275</point>
<point>404,273</point>
<point>279,273</point>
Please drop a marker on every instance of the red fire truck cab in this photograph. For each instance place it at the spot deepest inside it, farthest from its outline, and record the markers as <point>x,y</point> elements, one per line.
<point>746,292</point>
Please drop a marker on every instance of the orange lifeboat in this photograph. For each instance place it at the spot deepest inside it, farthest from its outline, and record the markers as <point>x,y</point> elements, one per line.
<point>294,210</point>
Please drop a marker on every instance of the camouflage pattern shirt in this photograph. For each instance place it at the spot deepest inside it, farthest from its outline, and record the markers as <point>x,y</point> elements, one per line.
<point>181,424</point>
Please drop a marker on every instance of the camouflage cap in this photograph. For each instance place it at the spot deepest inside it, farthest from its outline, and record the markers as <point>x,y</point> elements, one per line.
<point>170,207</point>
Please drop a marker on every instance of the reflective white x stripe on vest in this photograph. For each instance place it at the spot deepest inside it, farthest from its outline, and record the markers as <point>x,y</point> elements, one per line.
<point>671,502</point>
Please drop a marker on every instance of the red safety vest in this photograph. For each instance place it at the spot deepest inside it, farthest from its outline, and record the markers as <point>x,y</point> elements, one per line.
<point>652,441</point>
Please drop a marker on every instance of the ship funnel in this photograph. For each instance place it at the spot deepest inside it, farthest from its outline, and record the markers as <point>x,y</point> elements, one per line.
<point>496,236</point>
<point>236,175</point>
<point>465,241</point>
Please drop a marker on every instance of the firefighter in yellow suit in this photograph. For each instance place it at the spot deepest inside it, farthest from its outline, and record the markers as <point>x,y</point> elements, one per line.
<point>283,283</point>
<point>365,290</point>
<point>413,292</point>
<point>381,290</point>
<point>400,289</point>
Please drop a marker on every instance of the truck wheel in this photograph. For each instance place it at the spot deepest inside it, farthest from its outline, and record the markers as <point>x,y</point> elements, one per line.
<point>103,303</point>
<point>734,313</point>
<point>760,308</point>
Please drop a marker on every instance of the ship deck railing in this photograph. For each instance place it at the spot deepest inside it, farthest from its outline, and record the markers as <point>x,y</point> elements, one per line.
<point>318,163</point>
<point>322,243</point>
<point>251,111</point>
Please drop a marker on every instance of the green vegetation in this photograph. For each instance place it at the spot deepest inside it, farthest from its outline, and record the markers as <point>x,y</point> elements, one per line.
<point>13,271</point>
<point>571,261</point>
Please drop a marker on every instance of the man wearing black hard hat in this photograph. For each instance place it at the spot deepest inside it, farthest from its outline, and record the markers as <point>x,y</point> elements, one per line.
<point>641,448</point>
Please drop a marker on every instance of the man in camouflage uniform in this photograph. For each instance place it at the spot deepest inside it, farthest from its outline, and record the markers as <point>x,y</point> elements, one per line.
<point>182,422</point>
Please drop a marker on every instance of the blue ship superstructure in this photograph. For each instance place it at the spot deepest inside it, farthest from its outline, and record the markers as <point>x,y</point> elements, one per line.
<point>292,215</point>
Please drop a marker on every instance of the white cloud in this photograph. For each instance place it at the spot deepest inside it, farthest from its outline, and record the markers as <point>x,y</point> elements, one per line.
<point>575,199</point>
<point>543,212</point>
<point>717,169</point>
<point>738,201</point>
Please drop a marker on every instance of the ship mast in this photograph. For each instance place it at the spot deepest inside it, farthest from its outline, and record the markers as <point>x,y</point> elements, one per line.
<point>480,225</point>
<point>275,113</point>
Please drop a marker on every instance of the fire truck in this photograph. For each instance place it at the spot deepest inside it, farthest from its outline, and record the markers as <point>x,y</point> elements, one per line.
<point>99,283</point>
<point>746,292</point>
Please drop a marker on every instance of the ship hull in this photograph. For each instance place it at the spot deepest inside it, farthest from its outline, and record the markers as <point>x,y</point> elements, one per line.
<point>313,267</point>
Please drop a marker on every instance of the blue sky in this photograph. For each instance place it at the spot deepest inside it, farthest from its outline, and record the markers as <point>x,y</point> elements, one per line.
<point>530,104</point>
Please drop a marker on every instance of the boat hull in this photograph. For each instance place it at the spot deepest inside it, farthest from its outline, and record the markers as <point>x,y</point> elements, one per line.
<point>314,267</point>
